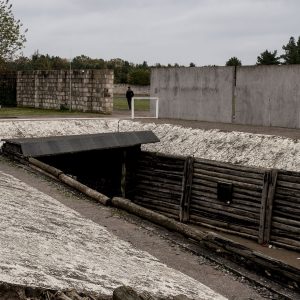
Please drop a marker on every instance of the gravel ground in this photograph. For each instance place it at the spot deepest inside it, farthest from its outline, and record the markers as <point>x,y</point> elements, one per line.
<point>248,149</point>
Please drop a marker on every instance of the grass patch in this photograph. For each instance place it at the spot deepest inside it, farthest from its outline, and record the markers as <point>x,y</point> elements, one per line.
<point>120,103</point>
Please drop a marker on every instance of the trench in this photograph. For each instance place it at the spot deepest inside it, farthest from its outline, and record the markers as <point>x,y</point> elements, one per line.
<point>109,172</point>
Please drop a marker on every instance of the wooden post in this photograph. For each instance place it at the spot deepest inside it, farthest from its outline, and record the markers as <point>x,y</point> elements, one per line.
<point>123,174</point>
<point>264,197</point>
<point>269,206</point>
<point>187,181</point>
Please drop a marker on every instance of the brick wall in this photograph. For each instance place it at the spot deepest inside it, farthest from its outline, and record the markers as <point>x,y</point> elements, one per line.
<point>86,90</point>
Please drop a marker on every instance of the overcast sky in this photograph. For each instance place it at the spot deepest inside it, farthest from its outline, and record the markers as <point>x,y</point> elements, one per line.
<point>205,32</point>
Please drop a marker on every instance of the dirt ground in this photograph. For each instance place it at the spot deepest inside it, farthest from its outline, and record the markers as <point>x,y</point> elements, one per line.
<point>168,247</point>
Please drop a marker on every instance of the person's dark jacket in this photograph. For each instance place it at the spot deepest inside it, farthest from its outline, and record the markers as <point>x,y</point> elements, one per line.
<point>129,94</point>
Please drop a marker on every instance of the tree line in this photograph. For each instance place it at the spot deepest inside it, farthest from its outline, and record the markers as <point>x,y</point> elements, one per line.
<point>291,55</point>
<point>12,40</point>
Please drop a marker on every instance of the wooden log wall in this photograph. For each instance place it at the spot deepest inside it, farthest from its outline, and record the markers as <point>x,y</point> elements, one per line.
<point>265,204</point>
<point>242,214</point>
<point>159,183</point>
<point>285,225</point>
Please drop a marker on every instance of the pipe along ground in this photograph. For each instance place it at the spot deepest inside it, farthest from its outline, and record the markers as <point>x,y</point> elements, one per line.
<point>256,261</point>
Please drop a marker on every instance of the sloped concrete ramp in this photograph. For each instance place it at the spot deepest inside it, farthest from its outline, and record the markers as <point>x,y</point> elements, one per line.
<point>46,244</point>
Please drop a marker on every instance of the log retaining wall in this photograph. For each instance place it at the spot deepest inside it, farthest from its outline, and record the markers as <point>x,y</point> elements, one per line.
<point>263,204</point>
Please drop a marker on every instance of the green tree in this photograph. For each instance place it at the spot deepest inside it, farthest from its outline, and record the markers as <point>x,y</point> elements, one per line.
<point>233,61</point>
<point>292,52</point>
<point>268,58</point>
<point>12,39</point>
<point>139,77</point>
<point>192,64</point>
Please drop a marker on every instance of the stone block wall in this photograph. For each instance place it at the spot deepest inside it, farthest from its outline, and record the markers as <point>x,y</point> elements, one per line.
<point>84,90</point>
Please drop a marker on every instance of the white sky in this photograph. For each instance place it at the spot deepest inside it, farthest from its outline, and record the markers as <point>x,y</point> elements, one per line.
<point>205,32</point>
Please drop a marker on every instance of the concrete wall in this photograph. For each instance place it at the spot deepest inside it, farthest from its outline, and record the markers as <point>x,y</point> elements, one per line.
<point>91,90</point>
<point>139,90</point>
<point>255,95</point>
<point>194,93</point>
<point>268,95</point>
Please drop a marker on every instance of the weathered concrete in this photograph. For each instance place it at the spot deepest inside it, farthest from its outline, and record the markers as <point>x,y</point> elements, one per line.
<point>268,95</point>
<point>194,93</point>
<point>254,95</point>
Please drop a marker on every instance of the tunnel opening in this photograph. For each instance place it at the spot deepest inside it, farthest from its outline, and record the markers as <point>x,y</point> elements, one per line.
<point>110,172</point>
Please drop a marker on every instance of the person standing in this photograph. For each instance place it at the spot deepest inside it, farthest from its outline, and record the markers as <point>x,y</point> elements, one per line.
<point>129,95</point>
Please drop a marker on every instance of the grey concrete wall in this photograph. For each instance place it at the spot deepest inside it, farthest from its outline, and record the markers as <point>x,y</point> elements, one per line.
<point>194,93</point>
<point>254,95</point>
<point>91,90</point>
<point>268,95</point>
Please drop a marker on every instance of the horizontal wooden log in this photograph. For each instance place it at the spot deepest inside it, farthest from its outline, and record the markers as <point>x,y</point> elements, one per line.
<point>243,192</point>
<point>235,172</point>
<point>239,198</point>
<point>295,178</point>
<point>239,184</point>
<point>286,241</point>
<point>161,162</point>
<point>288,185</point>
<point>162,156</point>
<point>293,211</point>
<point>51,170</point>
<point>171,212</point>
<point>286,222</point>
<point>167,187</point>
<point>234,215</point>
<point>200,198</point>
<point>84,189</point>
<point>159,168</point>
<point>285,215</point>
<point>144,199</point>
<point>286,202</point>
<point>225,226</point>
<point>250,181</point>
<point>200,161</point>
<point>169,179</point>
<point>156,187</point>
<point>164,197</point>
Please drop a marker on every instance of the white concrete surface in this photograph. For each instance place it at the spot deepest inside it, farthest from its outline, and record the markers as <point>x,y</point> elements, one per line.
<point>46,244</point>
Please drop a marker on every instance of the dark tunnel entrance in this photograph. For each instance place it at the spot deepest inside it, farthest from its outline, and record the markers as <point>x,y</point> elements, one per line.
<point>110,172</point>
